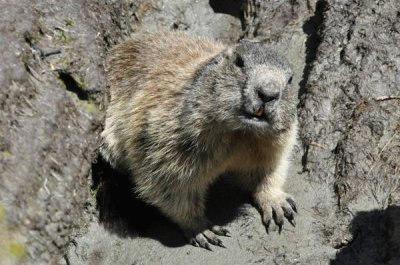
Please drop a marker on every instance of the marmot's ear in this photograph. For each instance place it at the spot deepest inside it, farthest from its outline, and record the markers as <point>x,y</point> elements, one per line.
<point>233,56</point>
<point>226,56</point>
<point>228,53</point>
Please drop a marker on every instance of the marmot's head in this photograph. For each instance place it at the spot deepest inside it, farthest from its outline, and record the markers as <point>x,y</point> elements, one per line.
<point>252,88</point>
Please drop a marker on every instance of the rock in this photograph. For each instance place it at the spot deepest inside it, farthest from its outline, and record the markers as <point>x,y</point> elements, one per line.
<point>51,75</point>
<point>350,124</point>
<point>195,17</point>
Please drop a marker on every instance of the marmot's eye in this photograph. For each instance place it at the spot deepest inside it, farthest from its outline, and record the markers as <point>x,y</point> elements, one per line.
<point>290,80</point>
<point>239,61</point>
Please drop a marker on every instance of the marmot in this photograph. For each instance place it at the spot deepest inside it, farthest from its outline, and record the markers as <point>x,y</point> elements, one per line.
<point>186,109</point>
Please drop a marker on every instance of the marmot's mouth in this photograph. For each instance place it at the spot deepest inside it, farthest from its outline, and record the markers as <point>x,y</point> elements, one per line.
<point>261,117</point>
<point>254,120</point>
<point>260,112</point>
<point>258,115</point>
<point>255,117</point>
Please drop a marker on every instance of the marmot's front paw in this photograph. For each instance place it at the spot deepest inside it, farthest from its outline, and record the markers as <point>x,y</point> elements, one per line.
<point>206,237</point>
<point>277,206</point>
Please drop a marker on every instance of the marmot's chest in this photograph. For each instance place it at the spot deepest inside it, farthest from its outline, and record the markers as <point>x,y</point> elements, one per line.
<point>251,153</point>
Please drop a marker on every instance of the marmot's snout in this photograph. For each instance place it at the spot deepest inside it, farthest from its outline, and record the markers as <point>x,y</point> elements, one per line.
<point>264,102</point>
<point>268,96</point>
<point>269,93</point>
<point>263,97</point>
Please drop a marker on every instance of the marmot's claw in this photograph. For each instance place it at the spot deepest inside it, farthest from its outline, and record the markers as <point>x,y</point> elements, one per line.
<point>278,210</point>
<point>212,238</point>
<point>292,203</point>
<point>193,242</point>
<point>220,230</point>
<point>288,213</point>
<point>277,214</point>
<point>207,237</point>
<point>266,224</point>
<point>280,227</point>
<point>201,240</point>
<point>207,246</point>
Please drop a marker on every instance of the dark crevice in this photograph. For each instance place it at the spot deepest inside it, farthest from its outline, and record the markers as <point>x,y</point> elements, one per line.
<point>304,159</point>
<point>312,28</point>
<point>28,69</point>
<point>42,54</point>
<point>66,258</point>
<point>72,85</point>
<point>249,18</point>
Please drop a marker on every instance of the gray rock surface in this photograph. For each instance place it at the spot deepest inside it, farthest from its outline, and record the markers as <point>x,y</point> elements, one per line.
<point>50,76</point>
<point>59,205</point>
<point>349,112</point>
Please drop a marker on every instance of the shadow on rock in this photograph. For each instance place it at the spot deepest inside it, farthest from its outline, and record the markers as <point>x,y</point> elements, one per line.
<point>122,213</point>
<point>312,28</point>
<point>229,7</point>
<point>376,239</point>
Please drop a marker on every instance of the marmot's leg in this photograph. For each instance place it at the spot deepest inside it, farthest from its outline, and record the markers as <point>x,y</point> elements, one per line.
<point>186,208</point>
<point>270,199</point>
<point>274,203</point>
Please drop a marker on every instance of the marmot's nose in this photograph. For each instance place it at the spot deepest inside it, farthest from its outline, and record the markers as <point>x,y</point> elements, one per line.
<point>269,93</point>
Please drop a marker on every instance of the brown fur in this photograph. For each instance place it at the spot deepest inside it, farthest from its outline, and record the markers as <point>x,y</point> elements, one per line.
<point>175,124</point>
